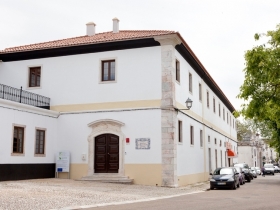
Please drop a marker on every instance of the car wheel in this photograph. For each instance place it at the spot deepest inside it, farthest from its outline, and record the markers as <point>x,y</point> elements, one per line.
<point>249,180</point>
<point>273,174</point>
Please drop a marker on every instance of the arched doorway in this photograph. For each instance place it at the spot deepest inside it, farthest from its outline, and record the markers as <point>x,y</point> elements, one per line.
<point>106,153</point>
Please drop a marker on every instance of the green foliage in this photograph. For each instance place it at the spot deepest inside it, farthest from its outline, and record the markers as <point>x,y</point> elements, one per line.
<point>261,87</point>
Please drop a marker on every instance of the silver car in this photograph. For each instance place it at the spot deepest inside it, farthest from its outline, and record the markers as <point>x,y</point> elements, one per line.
<point>254,172</point>
<point>257,169</point>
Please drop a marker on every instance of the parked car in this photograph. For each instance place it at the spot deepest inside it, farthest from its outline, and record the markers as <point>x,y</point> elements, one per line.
<point>254,172</point>
<point>276,169</point>
<point>268,168</point>
<point>226,177</point>
<point>241,175</point>
<point>259,172</point>
<point>242,165</point>
<point>251,174</point>
<point>248,176</point>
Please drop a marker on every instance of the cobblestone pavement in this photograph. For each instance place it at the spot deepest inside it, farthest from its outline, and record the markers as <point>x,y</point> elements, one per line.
<point>69,194</point>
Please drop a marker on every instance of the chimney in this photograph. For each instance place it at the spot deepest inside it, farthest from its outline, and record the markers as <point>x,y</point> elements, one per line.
<point>116,25</point>
<point>90,28</point>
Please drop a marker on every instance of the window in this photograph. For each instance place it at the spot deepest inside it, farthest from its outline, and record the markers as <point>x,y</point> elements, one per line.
<point>230,120</point>
<point>223,113</point>
<point>190,82</point>
<point>191,135</point>
<point>219,110</point>
<point>179,131</point>
<point>34,76</point>
<point>108,70</point>
<point>208,139</point>
<point>215,141</point>
<point>214,107</point>
<point>221,158</point>
<point>18,140</point>
<point>201,138</point>
<point>220,143</point>
<point>40,142</point>
<point>207,94</point>
<point>216,158</point>
<point>177,70</point>
<point>227,117</point>
<point>200,92</point>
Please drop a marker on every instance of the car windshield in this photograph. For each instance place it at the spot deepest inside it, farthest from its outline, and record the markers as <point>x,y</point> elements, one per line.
<point>222,171</point>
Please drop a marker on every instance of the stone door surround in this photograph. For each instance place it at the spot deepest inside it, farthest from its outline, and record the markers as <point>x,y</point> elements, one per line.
<point>102,127</point>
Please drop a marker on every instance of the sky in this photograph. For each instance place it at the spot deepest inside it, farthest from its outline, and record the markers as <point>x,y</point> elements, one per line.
<point>218,31</point>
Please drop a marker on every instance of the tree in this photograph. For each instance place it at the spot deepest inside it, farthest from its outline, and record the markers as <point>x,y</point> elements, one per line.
<point>261,87</point>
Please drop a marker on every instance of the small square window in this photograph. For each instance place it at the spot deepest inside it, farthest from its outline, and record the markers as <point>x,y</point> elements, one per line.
<point>177,70</point>
<point>40,142</point>
<point>34,76</point>
<point>108,70</point>
<point>18,140</point>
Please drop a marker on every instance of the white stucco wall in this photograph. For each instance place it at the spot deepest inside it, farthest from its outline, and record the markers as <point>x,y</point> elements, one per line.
<point>76,79</point>
<point>73,132</point>
<point>11,114</point>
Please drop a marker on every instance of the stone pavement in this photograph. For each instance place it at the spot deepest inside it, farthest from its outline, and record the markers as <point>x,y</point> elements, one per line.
<point>55,193</point>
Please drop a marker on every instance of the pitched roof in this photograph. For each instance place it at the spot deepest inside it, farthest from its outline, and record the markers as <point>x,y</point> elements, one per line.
<point>83,40</point>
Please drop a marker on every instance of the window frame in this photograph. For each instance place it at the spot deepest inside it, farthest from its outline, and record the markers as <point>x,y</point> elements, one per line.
<point>44,143</point>
<point>199,91</point>
<point>23,127</point>
<point>201,138</point>
<point>30,75</point>
<point>207,99</point>
<point>180,131</point>
<point>214,105</point>
<point>190,83</point>
<point>102,61</point>
<point>191,135</point>
<point>177,71</point>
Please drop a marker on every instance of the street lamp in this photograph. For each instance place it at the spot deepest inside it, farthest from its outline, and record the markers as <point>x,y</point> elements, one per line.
<point>188,105</point>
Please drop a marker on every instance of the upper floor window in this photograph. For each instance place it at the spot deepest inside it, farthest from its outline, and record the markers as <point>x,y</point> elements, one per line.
<point>220,143</point>
<point>34,76</point>
<point>201,138</point>
<point>230,120</point>
<point>177,70</point>
<point>208,139</point>
<point>180,135</point>
<point>214,105</point>
<point>227,117</point>
<point>215,141</point>
<point>190,82</point>
<point>40,142</point>
<point>191,135</point>
<point>18,140</point>
<point>200,92</point>
<point>207,94</point>
<point>219,110</point>
<point>108,70</point>
<point>223,113</point>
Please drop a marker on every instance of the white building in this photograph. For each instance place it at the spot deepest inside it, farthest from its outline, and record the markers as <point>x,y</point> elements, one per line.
<point>117,103</point>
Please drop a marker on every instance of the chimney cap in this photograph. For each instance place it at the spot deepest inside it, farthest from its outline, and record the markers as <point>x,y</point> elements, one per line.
<point>116,19</point>
<point>91,23</point>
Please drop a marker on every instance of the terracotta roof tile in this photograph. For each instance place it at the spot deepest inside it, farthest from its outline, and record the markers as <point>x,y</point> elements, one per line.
<point>83,40</point>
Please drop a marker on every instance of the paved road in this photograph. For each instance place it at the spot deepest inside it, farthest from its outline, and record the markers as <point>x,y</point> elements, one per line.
<point>262,193</point>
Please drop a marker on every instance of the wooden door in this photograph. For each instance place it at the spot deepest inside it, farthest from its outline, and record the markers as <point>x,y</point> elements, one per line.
<point>106,156</point>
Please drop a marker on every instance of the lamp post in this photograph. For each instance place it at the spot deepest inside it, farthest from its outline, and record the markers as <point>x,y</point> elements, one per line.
<point>188,105</point>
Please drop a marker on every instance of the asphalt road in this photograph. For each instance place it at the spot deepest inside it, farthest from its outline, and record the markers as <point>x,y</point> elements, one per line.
<point>261,193</point>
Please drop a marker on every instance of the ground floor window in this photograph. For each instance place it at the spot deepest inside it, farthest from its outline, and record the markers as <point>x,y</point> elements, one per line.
<point>40,142</point>
<point>18,139</point>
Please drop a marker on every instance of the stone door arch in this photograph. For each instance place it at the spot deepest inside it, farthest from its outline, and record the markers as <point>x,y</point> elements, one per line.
<point>102,127</point>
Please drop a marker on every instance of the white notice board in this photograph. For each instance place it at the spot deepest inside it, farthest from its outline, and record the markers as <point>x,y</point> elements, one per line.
<point>62,161</point>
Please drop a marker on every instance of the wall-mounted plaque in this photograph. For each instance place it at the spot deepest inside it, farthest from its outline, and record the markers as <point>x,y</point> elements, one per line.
<point>143,143</point>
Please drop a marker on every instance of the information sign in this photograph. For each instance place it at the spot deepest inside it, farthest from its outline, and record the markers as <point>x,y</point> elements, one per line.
<point>62,161</point>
